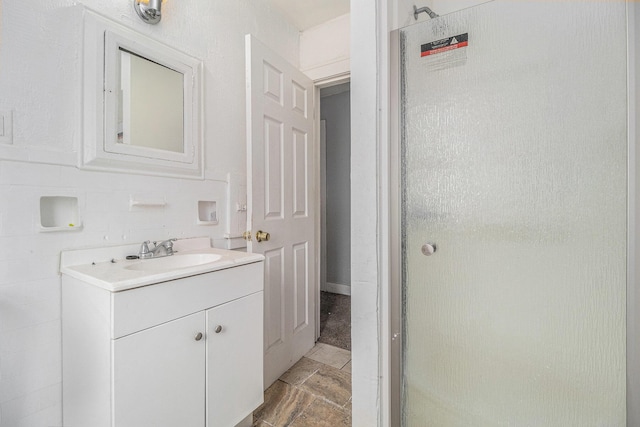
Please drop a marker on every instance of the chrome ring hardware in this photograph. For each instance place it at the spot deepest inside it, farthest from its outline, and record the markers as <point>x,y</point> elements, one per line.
<point>199,336</point>
<point>218,329</point>
<point>428,249</point>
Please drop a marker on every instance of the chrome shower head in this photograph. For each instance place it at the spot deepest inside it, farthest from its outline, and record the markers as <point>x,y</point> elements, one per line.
<point>425,9</point>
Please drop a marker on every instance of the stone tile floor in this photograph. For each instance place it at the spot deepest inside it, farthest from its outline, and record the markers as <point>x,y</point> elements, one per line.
<point>315,392</point>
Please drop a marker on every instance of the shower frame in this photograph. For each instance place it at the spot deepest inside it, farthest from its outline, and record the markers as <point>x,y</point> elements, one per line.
<point>393,341</point>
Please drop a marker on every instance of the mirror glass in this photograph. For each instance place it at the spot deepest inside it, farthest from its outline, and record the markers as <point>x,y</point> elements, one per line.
<point>150,104</point>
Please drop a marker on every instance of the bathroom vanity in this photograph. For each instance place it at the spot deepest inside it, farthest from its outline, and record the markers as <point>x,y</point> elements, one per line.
<point>161,342</point>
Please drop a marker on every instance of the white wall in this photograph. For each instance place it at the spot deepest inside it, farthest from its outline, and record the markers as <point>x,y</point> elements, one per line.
<point>368,32</point>
<point>335,110</point>
<point>40,81</point>
<point>325,49</point>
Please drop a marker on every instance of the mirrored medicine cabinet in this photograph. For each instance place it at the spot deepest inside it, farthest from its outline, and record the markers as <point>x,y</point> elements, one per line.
<point>142,103</point>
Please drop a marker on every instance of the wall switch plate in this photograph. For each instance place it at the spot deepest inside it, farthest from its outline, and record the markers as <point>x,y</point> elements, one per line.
<point>6,127</point>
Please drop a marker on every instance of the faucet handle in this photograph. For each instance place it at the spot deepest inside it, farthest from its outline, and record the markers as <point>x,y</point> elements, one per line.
<point>168,246</point>
<point>144,249</point>
<point>168,243</point>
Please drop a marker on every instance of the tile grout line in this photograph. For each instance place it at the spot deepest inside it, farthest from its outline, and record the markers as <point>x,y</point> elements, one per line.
<point>305,380</point>
<point>345,364</point>
<point>305,408</point>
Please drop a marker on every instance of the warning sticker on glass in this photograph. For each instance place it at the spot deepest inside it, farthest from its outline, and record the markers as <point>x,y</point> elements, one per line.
<point>444,45</point>
<point>445,53</point>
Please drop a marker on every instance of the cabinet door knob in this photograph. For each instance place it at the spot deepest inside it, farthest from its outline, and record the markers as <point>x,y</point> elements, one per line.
<point>218,329</point>
<point>199,336</point>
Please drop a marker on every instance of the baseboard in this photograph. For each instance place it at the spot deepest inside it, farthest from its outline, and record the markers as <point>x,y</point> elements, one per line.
<point>336,288</point>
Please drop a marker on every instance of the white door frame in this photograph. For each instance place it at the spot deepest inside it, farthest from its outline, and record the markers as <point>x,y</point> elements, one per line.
<point>633,231</point>
<point>319,84</point>
<point>322,214</point>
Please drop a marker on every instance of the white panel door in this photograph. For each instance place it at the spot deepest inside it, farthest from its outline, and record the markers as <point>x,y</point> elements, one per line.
<point>281,201</point>
<point>158,375</point>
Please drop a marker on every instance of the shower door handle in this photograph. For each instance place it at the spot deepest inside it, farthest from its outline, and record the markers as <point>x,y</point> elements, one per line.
<point>428,249</point>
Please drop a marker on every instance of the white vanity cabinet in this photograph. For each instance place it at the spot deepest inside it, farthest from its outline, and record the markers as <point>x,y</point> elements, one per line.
<point>234,361</point>
<point>158,375</point>
<point>185,352</point>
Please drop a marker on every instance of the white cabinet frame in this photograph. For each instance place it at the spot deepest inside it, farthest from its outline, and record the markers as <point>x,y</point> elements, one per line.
<point>103,39</point>
<point>189,349</point>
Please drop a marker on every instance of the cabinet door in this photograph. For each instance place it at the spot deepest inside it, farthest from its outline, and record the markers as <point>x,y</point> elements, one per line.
<point>158,375</point>
<point>234,360</point>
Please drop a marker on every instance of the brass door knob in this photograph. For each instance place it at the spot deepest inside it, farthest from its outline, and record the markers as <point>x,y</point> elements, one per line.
<point>262,236</point>
<point>246,235</point>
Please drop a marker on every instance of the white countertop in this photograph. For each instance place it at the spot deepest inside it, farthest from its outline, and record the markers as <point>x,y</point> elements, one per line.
<point>107,267</point>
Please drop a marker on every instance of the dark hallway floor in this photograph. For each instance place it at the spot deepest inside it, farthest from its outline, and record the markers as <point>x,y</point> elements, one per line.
<point>335,320</point>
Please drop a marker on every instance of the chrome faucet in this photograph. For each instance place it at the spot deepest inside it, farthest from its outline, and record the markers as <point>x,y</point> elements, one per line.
<point>161,249</point>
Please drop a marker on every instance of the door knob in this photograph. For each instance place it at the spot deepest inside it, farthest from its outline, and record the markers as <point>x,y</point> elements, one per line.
<point>428,249</point>
<point>199,336</point>
<point>262,236</point>
<point>218,329</point>
<point>246,235</point>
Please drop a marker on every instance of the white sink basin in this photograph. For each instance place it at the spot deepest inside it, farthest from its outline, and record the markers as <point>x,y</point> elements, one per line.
<point>174,262</point>
<point>107,268</point>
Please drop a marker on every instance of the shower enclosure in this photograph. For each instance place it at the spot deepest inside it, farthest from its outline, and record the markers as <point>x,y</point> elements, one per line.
<point>513,152</point>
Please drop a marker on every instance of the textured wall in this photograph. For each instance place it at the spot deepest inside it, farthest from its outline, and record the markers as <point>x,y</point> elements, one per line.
<point>365,316</point>
<point>325,48</point>
<point>40,80</point>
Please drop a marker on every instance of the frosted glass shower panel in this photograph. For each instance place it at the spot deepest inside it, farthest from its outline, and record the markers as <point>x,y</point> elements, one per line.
<point>514,164</point>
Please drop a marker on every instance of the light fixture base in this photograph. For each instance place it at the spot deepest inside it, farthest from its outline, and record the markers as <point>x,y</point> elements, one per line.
<point>146,12</point>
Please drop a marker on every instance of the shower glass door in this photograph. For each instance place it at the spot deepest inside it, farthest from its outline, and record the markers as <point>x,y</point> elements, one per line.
<point>514,166</point>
